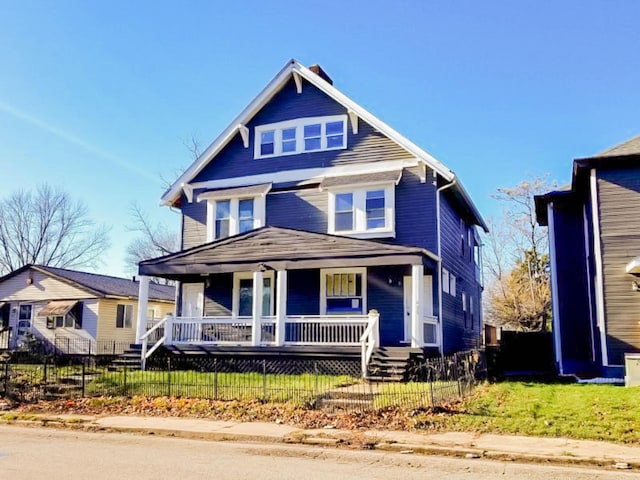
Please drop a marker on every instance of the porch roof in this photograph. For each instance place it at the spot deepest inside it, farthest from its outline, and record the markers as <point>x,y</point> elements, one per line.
<point>281,249</point>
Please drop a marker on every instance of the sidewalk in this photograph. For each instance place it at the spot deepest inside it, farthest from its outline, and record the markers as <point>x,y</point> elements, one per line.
<point>469,445</point>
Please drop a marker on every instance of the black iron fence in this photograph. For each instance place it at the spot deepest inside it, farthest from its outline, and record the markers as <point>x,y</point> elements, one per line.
<point>27,378</point>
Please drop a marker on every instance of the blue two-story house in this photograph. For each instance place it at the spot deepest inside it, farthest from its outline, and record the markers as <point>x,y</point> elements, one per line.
<point>311,225</point>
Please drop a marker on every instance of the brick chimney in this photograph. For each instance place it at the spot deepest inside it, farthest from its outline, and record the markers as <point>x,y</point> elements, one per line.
<point>317,69</point>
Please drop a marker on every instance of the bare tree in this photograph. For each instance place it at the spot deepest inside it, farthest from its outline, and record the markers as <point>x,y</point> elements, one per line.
<point>516,260</point>
<point>153,240</point>
<point>47,227</point>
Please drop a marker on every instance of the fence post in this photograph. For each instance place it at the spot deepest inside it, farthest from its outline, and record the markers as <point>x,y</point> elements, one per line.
<point>457,371</point>
<point>215,378</point>
<point>264,379</point>
<point>315,386</point>
<point>84,371</point>
<point>168,376</point>
<point>125,380</point>
<point>6,378</point>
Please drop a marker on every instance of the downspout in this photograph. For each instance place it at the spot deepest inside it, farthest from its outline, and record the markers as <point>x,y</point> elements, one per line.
<point>441,322</point>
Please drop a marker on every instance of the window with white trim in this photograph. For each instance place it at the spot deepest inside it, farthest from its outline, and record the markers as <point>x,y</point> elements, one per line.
<point>343,291</point>
<point>367,212</point>
<point>301,135</point>
<point>452,284</point>
<point>445,280</point>
<point>232,216</point>
<point>464,308</point>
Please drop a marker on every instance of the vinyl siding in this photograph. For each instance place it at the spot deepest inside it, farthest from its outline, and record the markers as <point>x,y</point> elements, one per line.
<point>218,297</point>
<point>306,209</point>
<point>457,337</point>
<point>43,288</point>
<point>303,293</point>
<point>194,223</point>
<point>88,330</point>
<point>107,314</point>
<point>619,201</point>
<point>571,277</point>
<point>235,160</point>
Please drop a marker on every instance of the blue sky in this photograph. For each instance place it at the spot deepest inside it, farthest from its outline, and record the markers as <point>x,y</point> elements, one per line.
<point>100,97</point>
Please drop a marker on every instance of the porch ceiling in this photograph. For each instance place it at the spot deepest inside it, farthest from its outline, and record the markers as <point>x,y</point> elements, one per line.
<point>281,249</point>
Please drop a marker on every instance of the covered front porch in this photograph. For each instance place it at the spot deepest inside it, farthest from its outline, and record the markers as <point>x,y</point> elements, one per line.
<point>276,288</point>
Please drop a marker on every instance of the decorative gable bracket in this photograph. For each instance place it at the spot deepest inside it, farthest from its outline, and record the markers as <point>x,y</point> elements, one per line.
<point>244,133</point>
<point>353,117</point>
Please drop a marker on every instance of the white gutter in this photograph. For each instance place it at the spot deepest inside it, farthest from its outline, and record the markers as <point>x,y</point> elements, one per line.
<point>441,322</point>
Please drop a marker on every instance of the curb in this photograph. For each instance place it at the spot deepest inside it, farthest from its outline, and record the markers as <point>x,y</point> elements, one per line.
<point>302,437</point>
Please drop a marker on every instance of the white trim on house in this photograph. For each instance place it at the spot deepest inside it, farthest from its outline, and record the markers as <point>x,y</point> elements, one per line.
<point>587,256</point>
<point>597,251</point>
<point>259,215</point>
<point>323,286</point>
<point>298,124</point>
<point>304,174</point>
<point>360,229</point>
<point>235,302</point>
<point>293,67</point>
<point>557,338</point>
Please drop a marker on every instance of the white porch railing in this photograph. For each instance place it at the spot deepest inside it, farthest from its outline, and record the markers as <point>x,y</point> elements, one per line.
<point>343,330</point>
<point>326,330</point>
<point>369,340</point>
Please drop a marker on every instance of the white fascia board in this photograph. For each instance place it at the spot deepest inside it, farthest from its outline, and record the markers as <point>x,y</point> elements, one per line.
<point>219,143</point>
<point>265,95</point>
<point>306,174</point>
<point>372,120</point>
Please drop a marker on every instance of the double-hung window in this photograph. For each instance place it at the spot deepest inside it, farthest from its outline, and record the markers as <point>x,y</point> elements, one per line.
<point>124,316</point>
<point>291,137</point>
<point>234,210</point>
<point>366,212</point>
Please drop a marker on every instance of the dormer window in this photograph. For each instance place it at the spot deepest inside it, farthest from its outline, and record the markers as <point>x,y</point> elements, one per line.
<point>313,134</point>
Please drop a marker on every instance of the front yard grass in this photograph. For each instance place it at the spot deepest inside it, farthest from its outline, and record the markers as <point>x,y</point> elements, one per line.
<point>595,412</point>
<point>300,389</point>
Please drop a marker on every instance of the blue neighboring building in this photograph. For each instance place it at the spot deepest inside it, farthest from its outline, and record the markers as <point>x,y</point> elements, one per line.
<point>308,220</point>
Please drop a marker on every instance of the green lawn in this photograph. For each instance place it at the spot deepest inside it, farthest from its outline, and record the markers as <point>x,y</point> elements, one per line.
<point>222,386</point>
<point>598,412</point>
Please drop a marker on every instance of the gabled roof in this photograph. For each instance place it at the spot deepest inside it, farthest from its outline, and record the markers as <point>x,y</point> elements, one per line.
<point>100,285</point>
<point>282,248</point>
<point>620,156</point>
<point>298,71</point>
<point>630,147</point>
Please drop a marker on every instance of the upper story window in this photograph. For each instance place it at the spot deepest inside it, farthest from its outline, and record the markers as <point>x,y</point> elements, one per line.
<point>366,212</point>
<point>301,135</point>
<point>233,216</point>
<point>234,210</point>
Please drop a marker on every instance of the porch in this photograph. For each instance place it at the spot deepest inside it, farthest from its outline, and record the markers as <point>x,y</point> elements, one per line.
<point>278,289</point>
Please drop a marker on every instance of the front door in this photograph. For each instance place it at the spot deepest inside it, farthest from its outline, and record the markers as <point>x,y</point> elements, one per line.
<point>192,299</point>
<point>428,303</point>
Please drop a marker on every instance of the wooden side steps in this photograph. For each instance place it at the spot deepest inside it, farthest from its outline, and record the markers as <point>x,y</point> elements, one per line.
<point>390,364</point>
<point>129,359</point>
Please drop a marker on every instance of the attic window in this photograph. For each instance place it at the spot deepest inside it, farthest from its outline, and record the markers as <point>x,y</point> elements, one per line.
<point>312,134</point>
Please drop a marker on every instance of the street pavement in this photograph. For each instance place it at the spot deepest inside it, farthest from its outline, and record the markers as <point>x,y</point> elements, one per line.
<point>461,444</point>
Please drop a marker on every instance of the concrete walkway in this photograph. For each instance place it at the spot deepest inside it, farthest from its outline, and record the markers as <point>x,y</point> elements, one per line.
<point>469,445</point>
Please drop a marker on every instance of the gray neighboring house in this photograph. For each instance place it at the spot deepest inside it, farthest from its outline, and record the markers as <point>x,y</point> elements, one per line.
<point>594,242</point>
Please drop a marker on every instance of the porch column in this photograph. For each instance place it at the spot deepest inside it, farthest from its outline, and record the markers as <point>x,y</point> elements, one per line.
<point>281,306</point>
<point>256,325</point>
<point>143,300</point>
<point>417,307</point>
